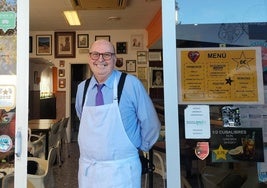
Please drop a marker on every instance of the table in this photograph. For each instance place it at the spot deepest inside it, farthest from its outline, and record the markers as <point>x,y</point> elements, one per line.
<point>44,126</point>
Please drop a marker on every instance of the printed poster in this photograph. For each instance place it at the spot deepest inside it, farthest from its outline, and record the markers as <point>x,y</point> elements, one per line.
<point>197,122</point>
<point>220,75</point>
<point>236,144</point>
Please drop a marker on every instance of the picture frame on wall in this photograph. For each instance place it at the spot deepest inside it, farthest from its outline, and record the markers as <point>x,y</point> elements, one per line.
<point>142,73</point>
<point>83,41</point>
<point>154,56</point>
<point>156,77</point>
<point>65,45</point>
<point>119,63</point>
<point>62,83</point>
<point>121,47</point>
<point>43,44</point>
<point>131,65</point>
<point>142,57</point>
<point>61,72</point>
<point>137,42</point>
<point>62,63</point>
<point>104,37</point>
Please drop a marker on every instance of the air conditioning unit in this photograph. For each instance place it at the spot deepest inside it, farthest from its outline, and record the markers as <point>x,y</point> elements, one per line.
<point>98,4</point>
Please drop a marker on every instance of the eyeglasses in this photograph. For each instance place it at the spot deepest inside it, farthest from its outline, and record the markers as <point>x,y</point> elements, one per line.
<point>105,56</point>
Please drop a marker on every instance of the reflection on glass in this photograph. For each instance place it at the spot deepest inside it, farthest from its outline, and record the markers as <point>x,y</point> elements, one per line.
<point>210,11</point>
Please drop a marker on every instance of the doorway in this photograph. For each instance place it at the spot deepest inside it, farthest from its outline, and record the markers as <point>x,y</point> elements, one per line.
<point>79,72</point>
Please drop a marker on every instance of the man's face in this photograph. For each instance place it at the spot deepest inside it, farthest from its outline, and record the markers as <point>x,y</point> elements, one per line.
<point>102,67</point>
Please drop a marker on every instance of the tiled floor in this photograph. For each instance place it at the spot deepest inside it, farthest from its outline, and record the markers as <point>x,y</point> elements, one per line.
<point>66,175</point>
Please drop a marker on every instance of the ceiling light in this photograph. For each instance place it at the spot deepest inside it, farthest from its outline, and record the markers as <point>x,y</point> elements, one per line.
<point>72,17</point>
<point>113,18</point>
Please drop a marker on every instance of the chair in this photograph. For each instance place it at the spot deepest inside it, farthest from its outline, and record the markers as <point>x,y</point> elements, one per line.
<point>54,138</point>
<point>185,183</point>
<point>44,175</point>
<point>212,176</point>
<point>159,162</point>
<point>8,181</point>
<point>36,144</point>
<point>63,139</point>
<point>54,134</point>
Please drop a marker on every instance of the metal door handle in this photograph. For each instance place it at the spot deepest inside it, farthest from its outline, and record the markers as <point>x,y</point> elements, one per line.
<point>18,144</point>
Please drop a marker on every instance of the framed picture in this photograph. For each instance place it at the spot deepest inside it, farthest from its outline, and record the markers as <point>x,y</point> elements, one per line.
<point>61,72</point>
<point>105,37</point>
<point>65,45</point>
<point>156,77</point>
<point>62,63</point>
<point>154,56</point>
<point>130,65</point>
<point>142,73</point>
<point>141,57</point>
<point>43,44</point>
<point>30,44</point>
<point>137,42</point>
<point>62,83</point>
<point>119,64</point>
<point>83,40</point>
<point>121,47</point>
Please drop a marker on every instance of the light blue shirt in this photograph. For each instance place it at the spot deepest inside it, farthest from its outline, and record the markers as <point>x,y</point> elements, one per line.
<point>138,114</point>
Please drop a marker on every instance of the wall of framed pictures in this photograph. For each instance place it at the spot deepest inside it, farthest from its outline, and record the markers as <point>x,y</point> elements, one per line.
<point>68,47</point>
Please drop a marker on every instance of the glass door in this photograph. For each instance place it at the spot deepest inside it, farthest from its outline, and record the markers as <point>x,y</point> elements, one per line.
<point>8,35</point>
<point>231,148</point>
<point>13,109</point>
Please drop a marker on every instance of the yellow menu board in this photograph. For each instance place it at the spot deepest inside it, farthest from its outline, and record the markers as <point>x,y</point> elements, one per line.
<point>220,75</point>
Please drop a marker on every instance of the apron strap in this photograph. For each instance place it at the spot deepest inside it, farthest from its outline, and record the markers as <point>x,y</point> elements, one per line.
<point>120,87</point>
<point>121,84</point>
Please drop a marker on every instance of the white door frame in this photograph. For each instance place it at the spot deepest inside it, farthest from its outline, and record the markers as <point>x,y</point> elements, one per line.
<point>22,90</point>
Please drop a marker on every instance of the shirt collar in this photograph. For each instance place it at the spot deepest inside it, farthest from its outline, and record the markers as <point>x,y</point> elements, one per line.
<point>108,83</point>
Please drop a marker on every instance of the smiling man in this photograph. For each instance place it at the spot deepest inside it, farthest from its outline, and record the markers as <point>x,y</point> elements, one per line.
<point>112,132</point>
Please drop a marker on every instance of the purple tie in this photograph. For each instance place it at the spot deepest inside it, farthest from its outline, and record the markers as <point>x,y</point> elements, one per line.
<point>99,96</point>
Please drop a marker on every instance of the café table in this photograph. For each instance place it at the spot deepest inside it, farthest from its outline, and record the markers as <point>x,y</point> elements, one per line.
<point>43,126</point>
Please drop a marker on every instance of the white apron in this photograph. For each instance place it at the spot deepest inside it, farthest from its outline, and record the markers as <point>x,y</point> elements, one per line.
<point>108,159</point>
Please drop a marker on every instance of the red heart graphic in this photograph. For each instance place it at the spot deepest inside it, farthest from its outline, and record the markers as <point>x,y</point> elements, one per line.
<point>193,55</point>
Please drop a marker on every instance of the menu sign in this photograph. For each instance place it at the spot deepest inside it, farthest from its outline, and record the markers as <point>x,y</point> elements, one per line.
<point>236,144</point>
<point>220,75</point>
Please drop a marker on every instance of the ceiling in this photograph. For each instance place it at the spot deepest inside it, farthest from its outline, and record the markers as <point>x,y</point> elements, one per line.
<point>47,15</point>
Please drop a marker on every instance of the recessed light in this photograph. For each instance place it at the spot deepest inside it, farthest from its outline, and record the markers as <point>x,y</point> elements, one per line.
<point>113,18</point>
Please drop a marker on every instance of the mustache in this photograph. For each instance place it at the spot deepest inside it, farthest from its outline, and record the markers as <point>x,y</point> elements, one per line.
<point>100,64</point>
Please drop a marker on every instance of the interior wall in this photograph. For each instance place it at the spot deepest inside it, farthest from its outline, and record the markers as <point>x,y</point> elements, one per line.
<point>82,58</point>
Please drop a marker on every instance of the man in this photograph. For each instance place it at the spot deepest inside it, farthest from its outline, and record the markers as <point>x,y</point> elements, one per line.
<point>111,134</point>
